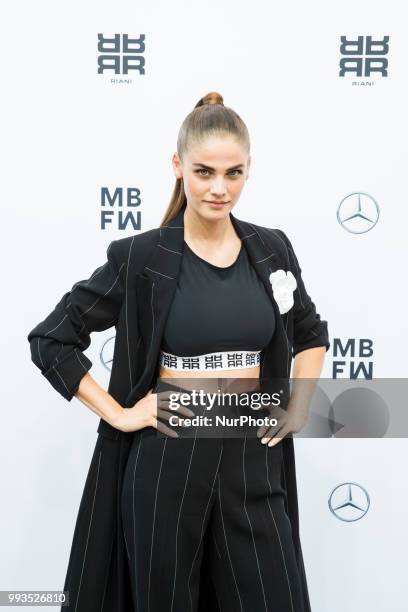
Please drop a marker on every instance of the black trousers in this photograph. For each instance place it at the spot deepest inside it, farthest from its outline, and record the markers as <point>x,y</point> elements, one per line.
<point>222,497</point>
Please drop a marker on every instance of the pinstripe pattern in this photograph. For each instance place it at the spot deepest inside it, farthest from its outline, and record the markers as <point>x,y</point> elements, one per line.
<point>60,377</point>
<point>82,314</point>
<point>277,531</point>
<point>91,305</point>
<point>169,250</point>
<point>89,531</point>
<point>178,522</point>
<point>127,315</point>
<point>226,543</point>
<point>107,572</point>
<point>202,530</point>
<point>216,546</point>
<point>160,273</point>
<point>154,516</point>
<point>134,522</point>
<point>242,575</point>
<point>134,289</point>
<point>152,307</point>
<point>249,520</point>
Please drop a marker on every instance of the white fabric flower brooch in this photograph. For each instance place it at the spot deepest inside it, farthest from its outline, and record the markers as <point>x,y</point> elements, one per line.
<point>283,285</point>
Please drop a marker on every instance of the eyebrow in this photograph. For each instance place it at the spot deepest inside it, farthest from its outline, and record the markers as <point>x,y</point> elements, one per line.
<point>209,167</point>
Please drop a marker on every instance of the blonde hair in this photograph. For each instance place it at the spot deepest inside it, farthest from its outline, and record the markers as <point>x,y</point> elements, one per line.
<point>209,117</point>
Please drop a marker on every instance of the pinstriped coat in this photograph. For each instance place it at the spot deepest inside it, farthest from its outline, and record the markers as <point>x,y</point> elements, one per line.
<point>133,291</point>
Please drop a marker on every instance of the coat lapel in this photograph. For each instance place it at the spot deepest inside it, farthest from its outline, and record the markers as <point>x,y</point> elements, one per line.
<point>155,288</point>
<point>156,285</point>
<point>276,357</point>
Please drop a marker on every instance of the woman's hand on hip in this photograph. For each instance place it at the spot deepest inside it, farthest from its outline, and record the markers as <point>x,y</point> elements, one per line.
<point>146,413</point>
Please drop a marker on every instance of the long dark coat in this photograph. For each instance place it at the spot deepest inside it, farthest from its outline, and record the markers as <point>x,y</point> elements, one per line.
<point>133,291</point>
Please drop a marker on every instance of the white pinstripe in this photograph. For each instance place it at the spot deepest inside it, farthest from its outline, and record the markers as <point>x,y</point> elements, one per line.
<point>226,543</point>
<point>80,314</point>
<point>60,375</point>
<point>105,294</point>
<point>127,549</point>
<point>57,355</point>
<point>178,518</point>
<point>126,314</point>
<point>216,545</point>
<point>289,349</point>
<point>202,530</point>
<point>169,250</point>
<point>77,356</point>
<point>249,521</point>
<point>258,234</point>
<point>154,518</point>
<point>83,326</point>
<point>160,273</point>
<point>51,330</point>
<point>151,304</point>
<point>134,517</point>
<point>283,471</point>
<point>89,530</point>
<point>107,573</point>
<point>63,381</point>
<point>265,258</point>
<point>276,527</point>
<point>70,305</point>
<point>178,521</point>
<point>39,353</point>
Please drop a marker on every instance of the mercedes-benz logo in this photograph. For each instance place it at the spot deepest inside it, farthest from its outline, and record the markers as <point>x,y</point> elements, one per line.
<point>106,353</point>
<point>358,212</point>
<point>349,501</point>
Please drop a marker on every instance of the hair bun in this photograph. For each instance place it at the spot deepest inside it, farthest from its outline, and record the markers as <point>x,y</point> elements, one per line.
<point>211,98</point>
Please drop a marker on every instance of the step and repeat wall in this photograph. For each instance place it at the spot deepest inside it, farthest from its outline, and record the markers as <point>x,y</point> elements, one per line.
<point>93,98</point>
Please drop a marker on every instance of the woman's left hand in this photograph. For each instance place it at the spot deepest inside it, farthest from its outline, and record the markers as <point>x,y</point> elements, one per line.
<point>288,421</point>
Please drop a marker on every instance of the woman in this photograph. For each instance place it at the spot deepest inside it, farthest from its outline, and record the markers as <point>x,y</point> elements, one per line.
<point>172,521</point>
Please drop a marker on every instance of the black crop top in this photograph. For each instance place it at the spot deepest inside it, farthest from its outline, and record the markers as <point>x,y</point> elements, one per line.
<point>218,308</point>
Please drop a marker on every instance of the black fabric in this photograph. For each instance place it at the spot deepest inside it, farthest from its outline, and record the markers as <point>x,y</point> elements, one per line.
<point>133,291</point>
<point>223,497</point>
<point>218,308</point>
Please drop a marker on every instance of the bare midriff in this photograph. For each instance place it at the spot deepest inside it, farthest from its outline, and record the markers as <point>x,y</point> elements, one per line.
<point>248,373</point>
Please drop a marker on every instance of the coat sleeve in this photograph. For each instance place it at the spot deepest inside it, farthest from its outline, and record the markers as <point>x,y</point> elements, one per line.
<point>57,343</point>
<point>309,330</point>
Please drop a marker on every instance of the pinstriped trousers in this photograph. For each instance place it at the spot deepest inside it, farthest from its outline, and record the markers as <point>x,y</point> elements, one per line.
<point>222,497</point>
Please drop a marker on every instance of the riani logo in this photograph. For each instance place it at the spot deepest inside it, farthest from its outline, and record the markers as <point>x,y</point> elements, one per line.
<point>364,57</point>
<point>353,359</point>
<point>121,54</point>
<point>119,207</point>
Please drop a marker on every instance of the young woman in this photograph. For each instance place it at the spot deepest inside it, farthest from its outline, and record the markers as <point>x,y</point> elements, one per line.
<point>175,521</point>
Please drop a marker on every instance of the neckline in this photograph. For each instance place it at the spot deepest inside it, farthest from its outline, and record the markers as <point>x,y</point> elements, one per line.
<point>211,265</point>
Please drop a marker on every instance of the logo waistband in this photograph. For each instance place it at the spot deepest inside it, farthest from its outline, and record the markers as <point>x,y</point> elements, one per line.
<point>224,360</point>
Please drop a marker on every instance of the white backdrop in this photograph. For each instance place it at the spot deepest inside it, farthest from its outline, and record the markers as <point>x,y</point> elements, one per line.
<point>317,137</point>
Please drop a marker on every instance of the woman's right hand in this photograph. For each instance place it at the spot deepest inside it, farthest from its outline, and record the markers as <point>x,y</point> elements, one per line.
<point>147,412</point>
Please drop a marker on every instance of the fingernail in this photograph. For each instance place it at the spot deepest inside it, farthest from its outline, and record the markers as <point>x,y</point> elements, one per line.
<point>264,440</point>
